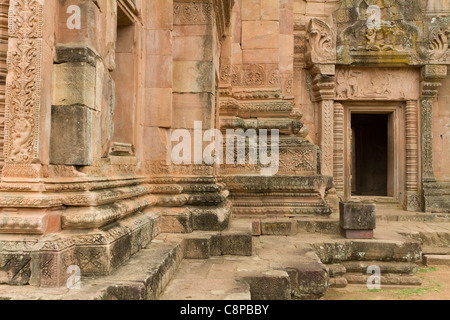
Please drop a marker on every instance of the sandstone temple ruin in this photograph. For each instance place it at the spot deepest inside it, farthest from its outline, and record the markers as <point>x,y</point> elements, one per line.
<point>91,92</point>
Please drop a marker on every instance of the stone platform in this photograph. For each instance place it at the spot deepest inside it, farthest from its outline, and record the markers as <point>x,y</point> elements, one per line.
<point>297,258</point>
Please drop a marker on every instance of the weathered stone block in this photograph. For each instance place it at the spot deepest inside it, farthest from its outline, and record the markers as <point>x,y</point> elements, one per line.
<point>284,228</point>
<point>312,281</point>
<point>54,264</point>
<point>15,268</point>
<point>70,140</point>
<point>256,228</point>
<point>229,243</point>
<point>338,282</point>
<point>436,260</point>
<point>193,76</point>
<point>198,247</point>
<point>74,83</point>
<point>270,285</point>
<point>357,216</point>
<point>210,218</point>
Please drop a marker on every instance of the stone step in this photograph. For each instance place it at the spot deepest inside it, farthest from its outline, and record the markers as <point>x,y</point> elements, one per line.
<point>144,277</point>
<point>336,270</point>
<point>368,250</point>
<point>278,227</point>
<point>385,267</point>
<point>207,289</point>
<point>380,202</point>
<point>429,250</point>
<point>386,279</point>
<point>324,226</point>
<point>202,245</point>
<point>269,285</point>
<point>431,238</point>
<point>309,280</point>
<point>436,260</point>
<point>339,282</point>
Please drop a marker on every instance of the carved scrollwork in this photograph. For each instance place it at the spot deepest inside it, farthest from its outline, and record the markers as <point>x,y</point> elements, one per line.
<point>24,82</point>
<point>321,43</point>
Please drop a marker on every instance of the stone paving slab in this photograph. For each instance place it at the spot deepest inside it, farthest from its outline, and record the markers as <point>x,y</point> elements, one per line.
<point>207,289</point>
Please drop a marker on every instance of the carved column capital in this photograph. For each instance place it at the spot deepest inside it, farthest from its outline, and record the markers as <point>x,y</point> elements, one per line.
<point>432,76</point>
<point>323,86</point>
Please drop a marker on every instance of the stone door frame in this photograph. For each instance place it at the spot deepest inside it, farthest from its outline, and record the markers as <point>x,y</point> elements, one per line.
<point>396,167</point>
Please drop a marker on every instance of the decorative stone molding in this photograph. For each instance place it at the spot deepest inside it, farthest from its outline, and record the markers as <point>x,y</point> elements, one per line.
<point>338,160</point>
<point>193,12</point>
<point>412,157</point>
<point>432,75</point>
<point>23,94</point>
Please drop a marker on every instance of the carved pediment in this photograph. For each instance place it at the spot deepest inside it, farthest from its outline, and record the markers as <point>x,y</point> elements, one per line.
<point>389,32</point>
<point>321,43</point>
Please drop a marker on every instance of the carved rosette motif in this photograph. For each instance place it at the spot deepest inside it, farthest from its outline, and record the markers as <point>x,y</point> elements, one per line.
<point>23,83</point>
<point>192,13</point>
<point>255,75</point>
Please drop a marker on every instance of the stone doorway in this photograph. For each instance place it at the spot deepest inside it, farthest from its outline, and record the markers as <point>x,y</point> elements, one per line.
<point>374,150</point>
<point>369,134</point>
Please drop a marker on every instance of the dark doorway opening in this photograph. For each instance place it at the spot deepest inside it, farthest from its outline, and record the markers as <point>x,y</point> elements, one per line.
<point>370,154</point>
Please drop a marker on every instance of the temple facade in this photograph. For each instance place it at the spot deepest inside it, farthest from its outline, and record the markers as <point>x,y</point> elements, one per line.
<point>353,96</point>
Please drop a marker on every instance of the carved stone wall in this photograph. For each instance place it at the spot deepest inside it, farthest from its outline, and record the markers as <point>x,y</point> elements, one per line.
<point>256,92</point>
<point>387,35</point>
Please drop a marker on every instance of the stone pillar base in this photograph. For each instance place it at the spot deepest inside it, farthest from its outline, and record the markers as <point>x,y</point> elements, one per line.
<point>36,261</point>
<point>436,197</point>
<point>357,220</point>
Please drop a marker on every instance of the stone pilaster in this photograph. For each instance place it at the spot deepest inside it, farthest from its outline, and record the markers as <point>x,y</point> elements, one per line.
<point>338,159</point>
<point>323,87</point>
<point>432,76</point>
<point>412,157</point>
<point>4,7</point>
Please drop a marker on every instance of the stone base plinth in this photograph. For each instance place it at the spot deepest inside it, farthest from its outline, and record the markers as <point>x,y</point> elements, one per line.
<point>262,196</point>
<point>357,234</point>
<point>36,261</point>
<point>357,219</point>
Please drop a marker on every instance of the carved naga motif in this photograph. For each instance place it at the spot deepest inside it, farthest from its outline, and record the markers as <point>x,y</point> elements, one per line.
<point>438,43</point>
<point>321,44</point>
